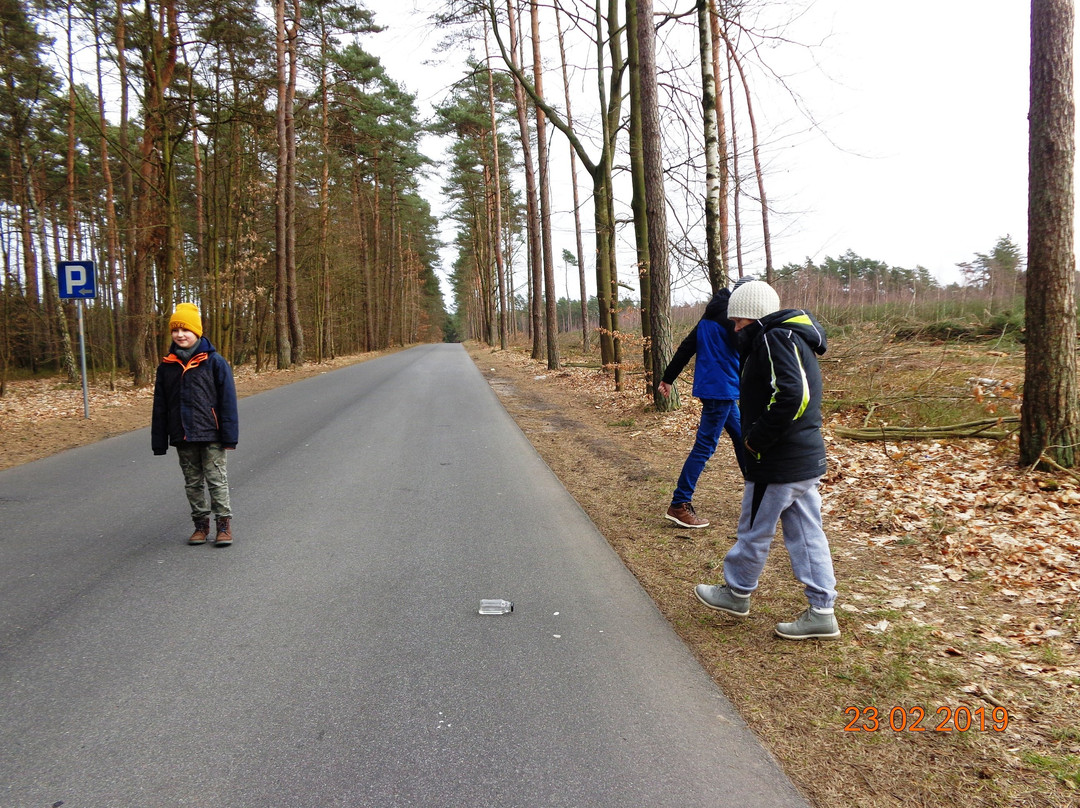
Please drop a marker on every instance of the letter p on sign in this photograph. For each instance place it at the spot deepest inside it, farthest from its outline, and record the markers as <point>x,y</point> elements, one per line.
<point>76,279</point>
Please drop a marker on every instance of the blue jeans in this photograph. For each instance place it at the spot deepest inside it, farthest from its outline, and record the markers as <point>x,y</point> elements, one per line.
<point>716,416</point>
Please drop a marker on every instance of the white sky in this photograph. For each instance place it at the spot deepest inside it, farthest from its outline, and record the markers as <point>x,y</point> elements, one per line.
<point>923,104</point>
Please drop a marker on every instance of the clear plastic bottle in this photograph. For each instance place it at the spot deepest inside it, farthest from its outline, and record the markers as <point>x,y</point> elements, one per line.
<point>495,606</point>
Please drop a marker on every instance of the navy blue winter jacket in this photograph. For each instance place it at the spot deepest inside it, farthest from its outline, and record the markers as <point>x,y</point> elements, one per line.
<point>780,398</point>
<point>716,371</point>
<point>194,402</point>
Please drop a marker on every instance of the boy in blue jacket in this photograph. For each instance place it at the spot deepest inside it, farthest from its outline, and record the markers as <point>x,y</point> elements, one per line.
<point>716,383</point>
<point>195,410</point>
<point>780,397</point>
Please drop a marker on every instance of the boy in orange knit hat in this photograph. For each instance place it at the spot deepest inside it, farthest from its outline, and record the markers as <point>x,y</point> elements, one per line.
<point>195,410</point>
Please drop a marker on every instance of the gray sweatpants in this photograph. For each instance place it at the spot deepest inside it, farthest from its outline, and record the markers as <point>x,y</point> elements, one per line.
<point>797,508</point>
<point>203,465</point>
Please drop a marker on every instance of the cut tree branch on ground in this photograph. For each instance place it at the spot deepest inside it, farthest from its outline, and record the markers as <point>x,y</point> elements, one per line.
<point>970,429</point>
<point>1044,460</point>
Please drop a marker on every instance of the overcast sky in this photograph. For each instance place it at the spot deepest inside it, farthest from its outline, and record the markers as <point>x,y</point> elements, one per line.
<point>921,154</point>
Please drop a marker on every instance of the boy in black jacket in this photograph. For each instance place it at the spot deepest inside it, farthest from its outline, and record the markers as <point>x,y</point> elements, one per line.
<point>780,401</point>
<point>195,410</point>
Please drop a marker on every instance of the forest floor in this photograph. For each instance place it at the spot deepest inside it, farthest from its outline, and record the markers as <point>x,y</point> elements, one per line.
<point>957,677</point>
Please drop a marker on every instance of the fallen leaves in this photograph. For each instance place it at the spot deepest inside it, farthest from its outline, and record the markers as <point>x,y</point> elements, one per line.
<point>32,401</point>
<point>966,505</point>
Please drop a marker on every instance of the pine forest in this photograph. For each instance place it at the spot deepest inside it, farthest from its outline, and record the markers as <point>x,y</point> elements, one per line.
<point>256,159</point>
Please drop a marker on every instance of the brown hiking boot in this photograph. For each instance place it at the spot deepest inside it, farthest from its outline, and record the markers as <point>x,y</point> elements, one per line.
<point>224,532</point>
<point>202,531</point>
<point>683,515</point>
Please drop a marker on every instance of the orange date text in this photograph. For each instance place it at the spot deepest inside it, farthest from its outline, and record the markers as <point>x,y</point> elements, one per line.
<point>922,719</point>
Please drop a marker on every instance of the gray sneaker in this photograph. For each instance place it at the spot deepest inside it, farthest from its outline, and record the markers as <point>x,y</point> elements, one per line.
<point>810,625</point>
<point>723,599</point>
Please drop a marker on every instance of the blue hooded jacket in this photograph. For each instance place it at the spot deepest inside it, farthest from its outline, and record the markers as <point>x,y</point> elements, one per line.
<point>716,371</point>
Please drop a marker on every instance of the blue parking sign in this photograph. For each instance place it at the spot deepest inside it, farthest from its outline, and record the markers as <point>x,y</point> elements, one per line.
<point>76,280</point>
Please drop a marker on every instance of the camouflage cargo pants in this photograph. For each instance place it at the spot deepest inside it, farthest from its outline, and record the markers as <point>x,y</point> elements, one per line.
<point>203,465</point>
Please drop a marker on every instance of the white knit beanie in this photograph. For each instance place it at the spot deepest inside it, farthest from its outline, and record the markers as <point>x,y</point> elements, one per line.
<point>753,301</point>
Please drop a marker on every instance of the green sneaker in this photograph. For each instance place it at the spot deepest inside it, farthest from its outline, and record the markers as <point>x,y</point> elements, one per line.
<point>810,625</point>
<point>723,599</point>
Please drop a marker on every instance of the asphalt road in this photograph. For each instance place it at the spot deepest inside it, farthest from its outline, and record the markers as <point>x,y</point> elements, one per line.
<point>334,655</point>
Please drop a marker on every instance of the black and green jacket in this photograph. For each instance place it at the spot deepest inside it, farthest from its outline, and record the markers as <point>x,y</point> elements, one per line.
<point>780,397</point>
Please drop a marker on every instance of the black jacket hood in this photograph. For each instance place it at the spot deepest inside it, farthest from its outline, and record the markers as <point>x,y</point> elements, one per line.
<point>799,321</point>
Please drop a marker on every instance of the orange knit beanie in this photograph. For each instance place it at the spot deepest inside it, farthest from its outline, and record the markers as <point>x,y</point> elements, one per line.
<point>186,316</point>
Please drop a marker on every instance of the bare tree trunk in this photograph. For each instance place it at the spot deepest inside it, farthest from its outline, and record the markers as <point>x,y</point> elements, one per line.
<point>656,206</point>
<point>721,136</point>
<point>126,231</point>
<point>281,224</point>
<point>197,278</point>
<point>322,313</point>
<point>367,340</point>
<point>714,252</point>
<point>388,269</point>
<point>70,183</point>
<point>51,289</point>
<point>737,192</point>
<point>72,372</point>
<point>531,204</point>
<point>639,181</point>
<point>605,199</point>
<point>378,306</point>
<point>296,330</point>
<point>21,192</point>
<point>154,206</point>
<point>508,260</point>
<point>169,252</point>
<point>1050,416</point>
<point>111,225</point>
<point>551,318</point>
<point>574,187</point>
<point>484,224</point>
<point>496,239</point>
<point>756,151</point>
<point>200,203</point>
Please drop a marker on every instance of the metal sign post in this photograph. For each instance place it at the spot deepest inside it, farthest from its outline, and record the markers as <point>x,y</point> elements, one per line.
<point>76,279</point>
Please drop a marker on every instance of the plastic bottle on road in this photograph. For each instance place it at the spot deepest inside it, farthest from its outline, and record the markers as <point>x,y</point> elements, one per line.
<point>495,606</point>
